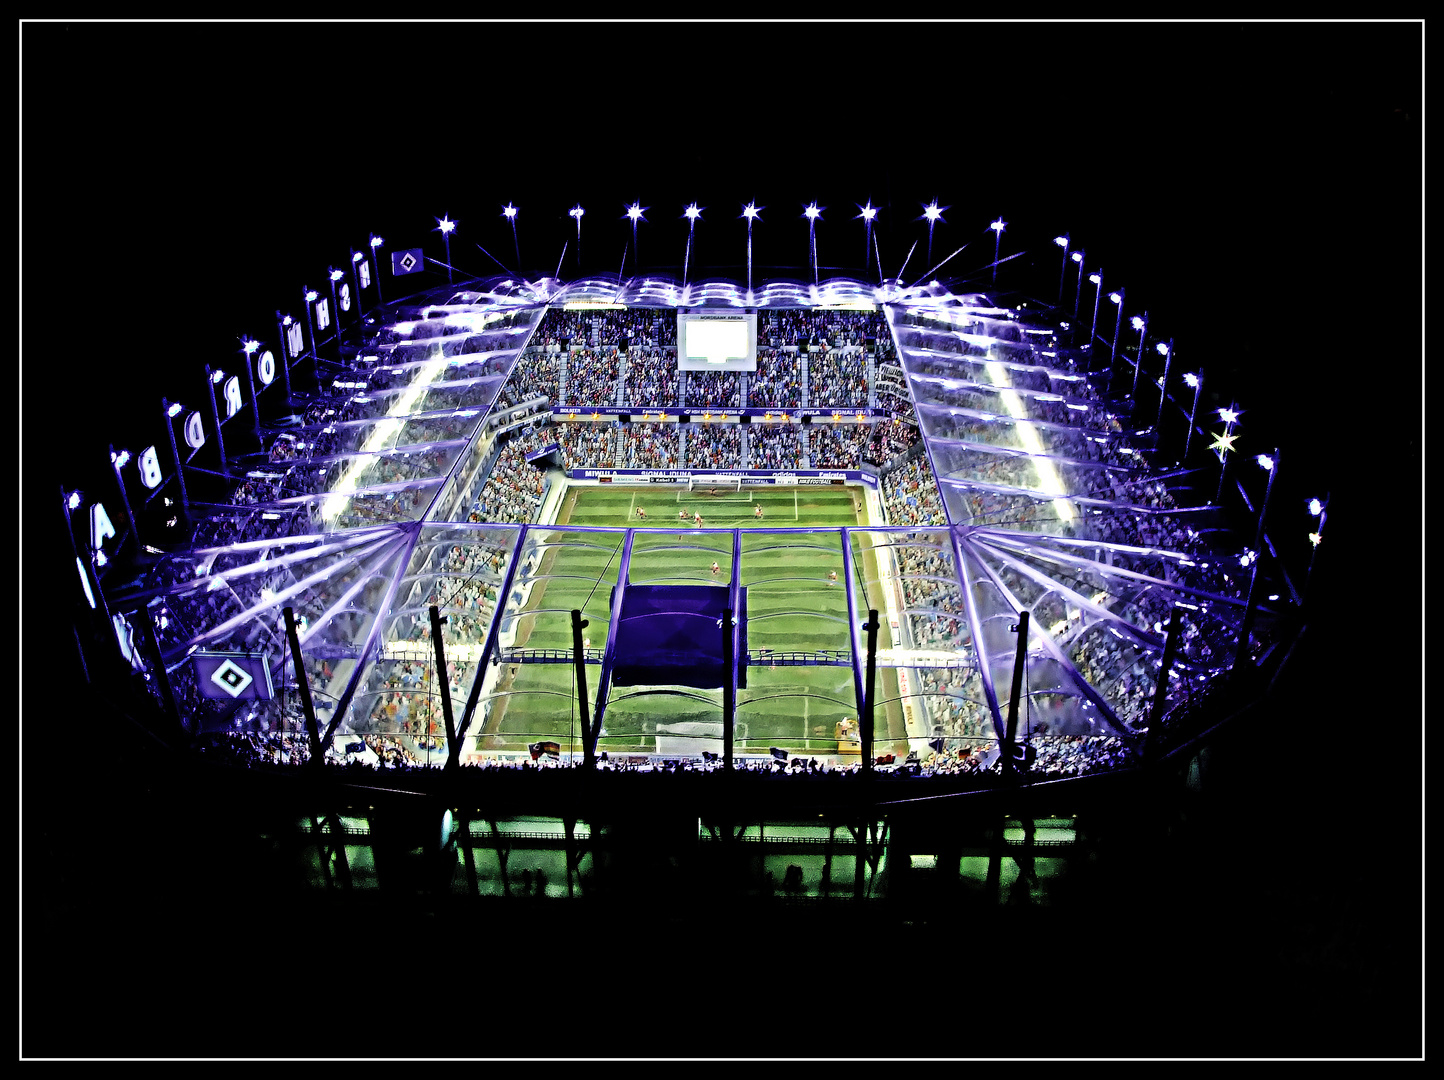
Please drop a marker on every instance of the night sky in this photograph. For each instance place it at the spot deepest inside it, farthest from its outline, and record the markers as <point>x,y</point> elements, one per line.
<point>1256,188</point>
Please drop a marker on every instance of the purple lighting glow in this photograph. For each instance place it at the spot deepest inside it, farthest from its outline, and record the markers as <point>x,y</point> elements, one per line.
<point>445,224</point>
<point>508,210</point>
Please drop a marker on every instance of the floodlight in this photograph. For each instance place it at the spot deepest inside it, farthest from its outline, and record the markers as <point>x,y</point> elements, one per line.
<point>1266,462</point>
<point>1315,538</point>
<point>1061,241</point>
<point>749,211</point>
<point>998,225</point>
<point>121,458</point>
<point>812,211</point>
<point>1228,416</point>
<point>337,275</point>
<point>1077,257</point>
<point>693,212</point>
<point>1137,323</point>
<point>446,225</point>
<point>174,410</point>
<point>311,295</point>
<point>217,376</point>
<point>1116,297</point>
<point>868,212</point>
<point>1190,378</point>
<point>356,256</point>
<point>576,212</point>
<point>1095,279</point>
<point>635,211</point>
<point>1315,507</point>
<point>932,212</point>
<point>508,210</point>
<point>376,241</point>
<point>74,500</point>
<point>1162,348</point>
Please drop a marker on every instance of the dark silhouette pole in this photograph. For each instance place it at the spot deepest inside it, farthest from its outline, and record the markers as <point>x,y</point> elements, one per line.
<point>579,661</point>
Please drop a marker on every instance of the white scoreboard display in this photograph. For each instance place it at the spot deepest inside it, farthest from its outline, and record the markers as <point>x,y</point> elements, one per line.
<point>717,341</point>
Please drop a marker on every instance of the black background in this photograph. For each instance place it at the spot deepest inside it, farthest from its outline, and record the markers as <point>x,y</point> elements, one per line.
<point>1255,187</point>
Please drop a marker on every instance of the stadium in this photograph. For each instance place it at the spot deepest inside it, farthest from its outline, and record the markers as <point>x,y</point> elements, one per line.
<point>789,531</point>
<point>903,551</point>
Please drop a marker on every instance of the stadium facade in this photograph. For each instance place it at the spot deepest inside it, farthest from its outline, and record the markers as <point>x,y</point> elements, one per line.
<point>380,556</point>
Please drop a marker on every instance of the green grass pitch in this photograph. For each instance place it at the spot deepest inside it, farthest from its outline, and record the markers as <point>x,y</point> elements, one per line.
<point>793,605</point>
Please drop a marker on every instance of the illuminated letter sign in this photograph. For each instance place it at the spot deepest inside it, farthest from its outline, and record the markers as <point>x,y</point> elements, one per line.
<point>266,368</point>
<point>100,526</point>
<point>323,315</point>
<point>294,341</point>
<point>363,270</point>
<point>149,468</point>
<point>85,583</point>
<point>345,297</point>
<point>122,635</point>
<point>195,431</point>
<point>233,396</point>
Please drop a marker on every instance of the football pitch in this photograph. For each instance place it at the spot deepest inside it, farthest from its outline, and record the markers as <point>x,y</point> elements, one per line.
<point>796,603</point>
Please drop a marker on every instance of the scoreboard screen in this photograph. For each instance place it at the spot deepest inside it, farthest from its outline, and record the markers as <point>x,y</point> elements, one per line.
<point>717,341</point>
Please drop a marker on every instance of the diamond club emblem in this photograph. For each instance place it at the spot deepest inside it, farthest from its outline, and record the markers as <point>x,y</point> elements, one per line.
<point>232,678</point>
<point>408,261</point>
